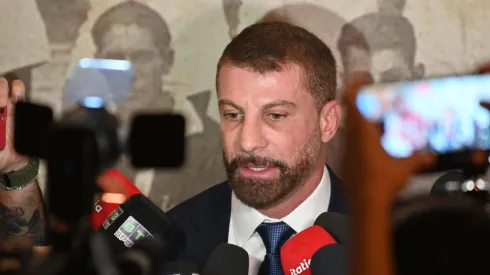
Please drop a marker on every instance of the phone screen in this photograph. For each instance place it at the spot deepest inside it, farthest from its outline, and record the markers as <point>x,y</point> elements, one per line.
<point>442,115</point>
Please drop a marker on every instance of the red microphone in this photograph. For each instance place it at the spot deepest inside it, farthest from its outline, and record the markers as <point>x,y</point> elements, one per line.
<point>113,183</point>
<point>296,253</point>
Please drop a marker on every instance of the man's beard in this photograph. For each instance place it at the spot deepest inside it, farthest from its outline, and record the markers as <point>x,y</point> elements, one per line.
<point>263,193</point>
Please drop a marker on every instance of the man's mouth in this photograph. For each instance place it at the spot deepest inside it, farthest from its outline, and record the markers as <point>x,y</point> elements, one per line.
<point>257,169</point>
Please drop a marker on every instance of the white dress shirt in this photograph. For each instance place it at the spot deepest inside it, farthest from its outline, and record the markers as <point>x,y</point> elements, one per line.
<point>244,220</point>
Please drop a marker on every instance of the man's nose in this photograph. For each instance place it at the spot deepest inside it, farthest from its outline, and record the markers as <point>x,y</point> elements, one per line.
<point>251,136</point>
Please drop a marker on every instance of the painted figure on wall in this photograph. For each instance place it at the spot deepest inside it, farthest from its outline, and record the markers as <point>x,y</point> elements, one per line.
<point>135,32</point>
<point>382,43</point>
<point>231,8</point>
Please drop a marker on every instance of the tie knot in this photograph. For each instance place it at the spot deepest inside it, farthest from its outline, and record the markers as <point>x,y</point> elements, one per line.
<point>274,235</point>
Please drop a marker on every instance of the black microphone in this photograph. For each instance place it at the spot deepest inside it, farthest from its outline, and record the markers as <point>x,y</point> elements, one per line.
<point>179,268</point>
<point>336,224</point>
<point>458,185</point>
<point>448,184</point>
<point>227,259</point>
<point>139,219</point>
<point>330,260</point>
<point>144,258</point>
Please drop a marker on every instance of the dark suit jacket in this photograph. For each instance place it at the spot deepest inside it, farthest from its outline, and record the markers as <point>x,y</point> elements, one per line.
<point>205,219</point>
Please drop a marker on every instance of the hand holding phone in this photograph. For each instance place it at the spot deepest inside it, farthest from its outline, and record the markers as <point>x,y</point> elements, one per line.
<point>9,159</point>
<point>442,116</point>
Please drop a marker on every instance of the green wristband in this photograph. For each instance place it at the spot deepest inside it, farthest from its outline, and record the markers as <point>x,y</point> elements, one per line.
<point>20,179</point>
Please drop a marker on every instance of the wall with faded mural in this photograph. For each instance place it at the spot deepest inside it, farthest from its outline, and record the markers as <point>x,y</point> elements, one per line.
<point>175,45</point>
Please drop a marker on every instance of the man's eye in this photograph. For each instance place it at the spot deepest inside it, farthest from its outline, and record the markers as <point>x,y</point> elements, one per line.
<point>232,116</point>
<point>277,117</point>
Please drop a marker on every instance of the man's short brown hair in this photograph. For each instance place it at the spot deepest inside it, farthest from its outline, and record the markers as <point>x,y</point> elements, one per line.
<point>270,46</point>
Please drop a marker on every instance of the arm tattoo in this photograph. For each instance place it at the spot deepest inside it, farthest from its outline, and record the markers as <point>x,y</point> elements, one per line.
<point>23,218</point>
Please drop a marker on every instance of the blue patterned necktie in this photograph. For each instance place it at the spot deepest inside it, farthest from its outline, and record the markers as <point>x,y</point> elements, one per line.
<point>274,235</point>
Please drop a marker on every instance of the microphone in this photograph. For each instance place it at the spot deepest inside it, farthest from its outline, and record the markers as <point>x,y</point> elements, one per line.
<point>139,219</point>
<point>330,260</point>
<point>144,258</point>
<point>112,182</point>
<point>179,268</point>
<point>132,217</point>
<point>296,253</point>
<point>336,224</point>
<point>448,184</point>
<point>458,185</point>
<point>227,259</point>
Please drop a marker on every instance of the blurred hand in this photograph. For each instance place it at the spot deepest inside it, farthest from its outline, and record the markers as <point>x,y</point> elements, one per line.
<point>9,159</point>
<point>482,156</point>
<point>369,172</point>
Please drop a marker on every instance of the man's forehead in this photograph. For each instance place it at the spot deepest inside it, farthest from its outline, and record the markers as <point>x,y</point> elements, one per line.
<point>286,75</point>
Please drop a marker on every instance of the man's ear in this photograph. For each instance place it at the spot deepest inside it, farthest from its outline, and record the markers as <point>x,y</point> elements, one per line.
<point>168,61</point>
<point>329,119</point>
<point>418,71</point>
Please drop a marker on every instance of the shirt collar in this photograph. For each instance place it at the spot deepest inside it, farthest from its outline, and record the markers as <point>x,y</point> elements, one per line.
<point>246,219</point>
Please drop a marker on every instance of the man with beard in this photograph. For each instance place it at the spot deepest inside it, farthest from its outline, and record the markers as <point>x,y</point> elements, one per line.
<point>276,88</point>
<point>135,32</point>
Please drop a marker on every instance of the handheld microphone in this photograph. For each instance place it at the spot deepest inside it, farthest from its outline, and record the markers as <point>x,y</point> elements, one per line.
<point>113,182</point>
<point>144,258</point>
<point>448,184</point>
<point>330,260</point>
<point>227,259</point>
<point>139,219</point>
<point>133,219</point>
<point>296,253</point>
<point>458,185</point>
<point>336,224</point>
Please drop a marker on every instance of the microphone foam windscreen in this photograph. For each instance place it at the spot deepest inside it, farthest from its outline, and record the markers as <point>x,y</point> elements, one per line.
<point>336,224</point>
<point>227,259</point>
<point>297,252</point>
<point>330,260</point>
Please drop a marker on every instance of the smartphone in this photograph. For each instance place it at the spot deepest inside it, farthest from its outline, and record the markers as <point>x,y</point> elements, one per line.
<point>111,80</point>
<point>443,116</point>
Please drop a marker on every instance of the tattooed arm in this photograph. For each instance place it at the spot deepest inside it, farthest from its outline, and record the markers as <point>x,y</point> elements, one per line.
<point>22,214</point>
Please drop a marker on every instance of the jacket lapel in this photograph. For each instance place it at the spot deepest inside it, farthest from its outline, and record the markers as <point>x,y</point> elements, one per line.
<point>337,195</point>
<point>211,222</point>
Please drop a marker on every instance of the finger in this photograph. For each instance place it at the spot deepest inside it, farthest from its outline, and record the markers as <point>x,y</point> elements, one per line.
<point>354,83</point>
<point>354,120</point>
<point>479,157</point>
<point>484,69</point>
<point>18,90</point>
<point>418,161</point>
<point>4,92</point>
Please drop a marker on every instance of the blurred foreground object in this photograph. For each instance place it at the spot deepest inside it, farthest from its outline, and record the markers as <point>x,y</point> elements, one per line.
<point>441,236</point>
